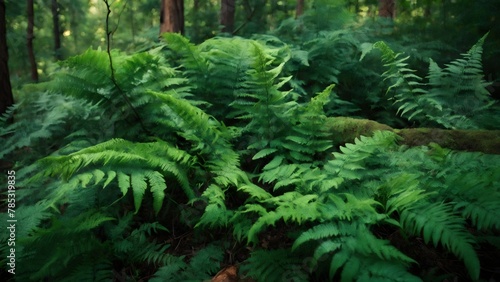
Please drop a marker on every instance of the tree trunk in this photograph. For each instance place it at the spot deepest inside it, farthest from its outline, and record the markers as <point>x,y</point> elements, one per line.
<point>29,41</point>
<point>6,98</point>
<point>444,12</point>
<point>387,9</point>
<point>132,23</point>
<point>172,16</point>
<point>345,130</point>
<point>428,9</point>
<point>299,9</point>
<point>56,30</point>
<point>227,15</point>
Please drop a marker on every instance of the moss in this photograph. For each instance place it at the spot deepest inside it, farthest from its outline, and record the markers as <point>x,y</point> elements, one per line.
<point>486,141</point>
<point>345,130</point>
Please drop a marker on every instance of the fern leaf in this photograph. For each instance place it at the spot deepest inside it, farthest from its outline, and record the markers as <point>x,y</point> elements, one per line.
<point>438,223</point>
<point>263,153</point>
<point>273,265</point>
<point>157,186</point>
<point>139,186</point>
<point>123,182</point>
<point>216,213</point>
<point>318,232</point>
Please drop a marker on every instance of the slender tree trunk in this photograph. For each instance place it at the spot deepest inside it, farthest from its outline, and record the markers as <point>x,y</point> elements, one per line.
<point>6,98</point>
<point>444,11</point>
<point>29,41</point>
<point>132,23</point>
<point>428,9</point>
<point>227,15</point>
<point>172,16</point>
<point>299,9</point>
<point>387,8</point>
<point>56,30</point>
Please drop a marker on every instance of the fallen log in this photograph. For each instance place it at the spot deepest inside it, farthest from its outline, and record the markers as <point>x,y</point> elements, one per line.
<point>345,130</point>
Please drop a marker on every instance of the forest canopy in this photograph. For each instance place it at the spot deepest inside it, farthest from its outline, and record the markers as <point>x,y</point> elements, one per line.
<point>250,140</point>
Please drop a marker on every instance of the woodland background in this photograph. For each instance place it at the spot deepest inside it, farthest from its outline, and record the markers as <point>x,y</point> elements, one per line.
<point>251,140</point>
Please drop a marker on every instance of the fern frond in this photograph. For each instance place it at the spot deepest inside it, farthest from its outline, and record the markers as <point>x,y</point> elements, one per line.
<point>216,213</point>
<point>92,270</point>
<point>291,207</point>
<point>438,223</point>
<point>385,271</point>
<point>402,191</point>
<point>67,242</point>
<point>170,272</point>
<point>135,164</point>
<point>348,163</point>
<point>318,232</point>
<point>273,265</point>
<point>201,267</point>
<point>452,96</point>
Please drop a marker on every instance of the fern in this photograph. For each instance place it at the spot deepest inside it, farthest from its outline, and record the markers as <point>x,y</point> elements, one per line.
<point>202,266</point>
<point>75,243</point>
<point>274,265</point>
<point>216,213</point>
<point>437,223</point>
<point>137,246</point>
<point>290,207</point>
<point>454,97</point>
<point>93,270</point>
<point>125,161</point>
<point>56,117</point>
<point>159,126</point>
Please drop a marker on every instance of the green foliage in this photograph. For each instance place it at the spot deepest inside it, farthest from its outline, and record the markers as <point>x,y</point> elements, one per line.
<point>202,266</point>
<point>454,97</point>
<point>274,265</point>
<point>133,165</point>
<point>228,127</point>
<point>437,223</point>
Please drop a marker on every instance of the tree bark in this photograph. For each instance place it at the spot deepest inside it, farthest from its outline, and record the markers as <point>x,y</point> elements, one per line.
<point>172,16</point>
<point>227,10</point>
<point>29,40</point>
<point>345,130</point>
<point>56,30</point>
<point>387,8</point>
<point>299,9</point>
<point>6,98</point>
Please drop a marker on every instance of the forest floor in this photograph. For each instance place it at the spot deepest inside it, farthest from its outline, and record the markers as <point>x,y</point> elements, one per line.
<point>433,263</point>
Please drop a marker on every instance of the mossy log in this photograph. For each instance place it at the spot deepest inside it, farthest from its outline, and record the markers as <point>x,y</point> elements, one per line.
<point>345,130</point>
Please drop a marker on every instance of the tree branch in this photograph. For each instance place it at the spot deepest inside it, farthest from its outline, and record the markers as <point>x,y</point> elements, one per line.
<point>113,79</point>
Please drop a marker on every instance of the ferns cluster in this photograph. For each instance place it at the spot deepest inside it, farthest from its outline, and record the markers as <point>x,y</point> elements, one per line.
<point>454,97</point>
<point>221,126</point>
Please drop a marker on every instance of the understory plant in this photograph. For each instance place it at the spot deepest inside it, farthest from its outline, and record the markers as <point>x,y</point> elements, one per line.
<point>214,139</point>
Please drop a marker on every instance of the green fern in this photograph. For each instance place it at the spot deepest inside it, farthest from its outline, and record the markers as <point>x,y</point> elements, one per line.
<point>274,265</point>
<point>143,131</point>
<point>125,161</point>
<point>136,246</point>
<point>202,266</point>
<point>75,244</point>
<point>290,207</point>
<point>437,222</point>
<point>454,97</point>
